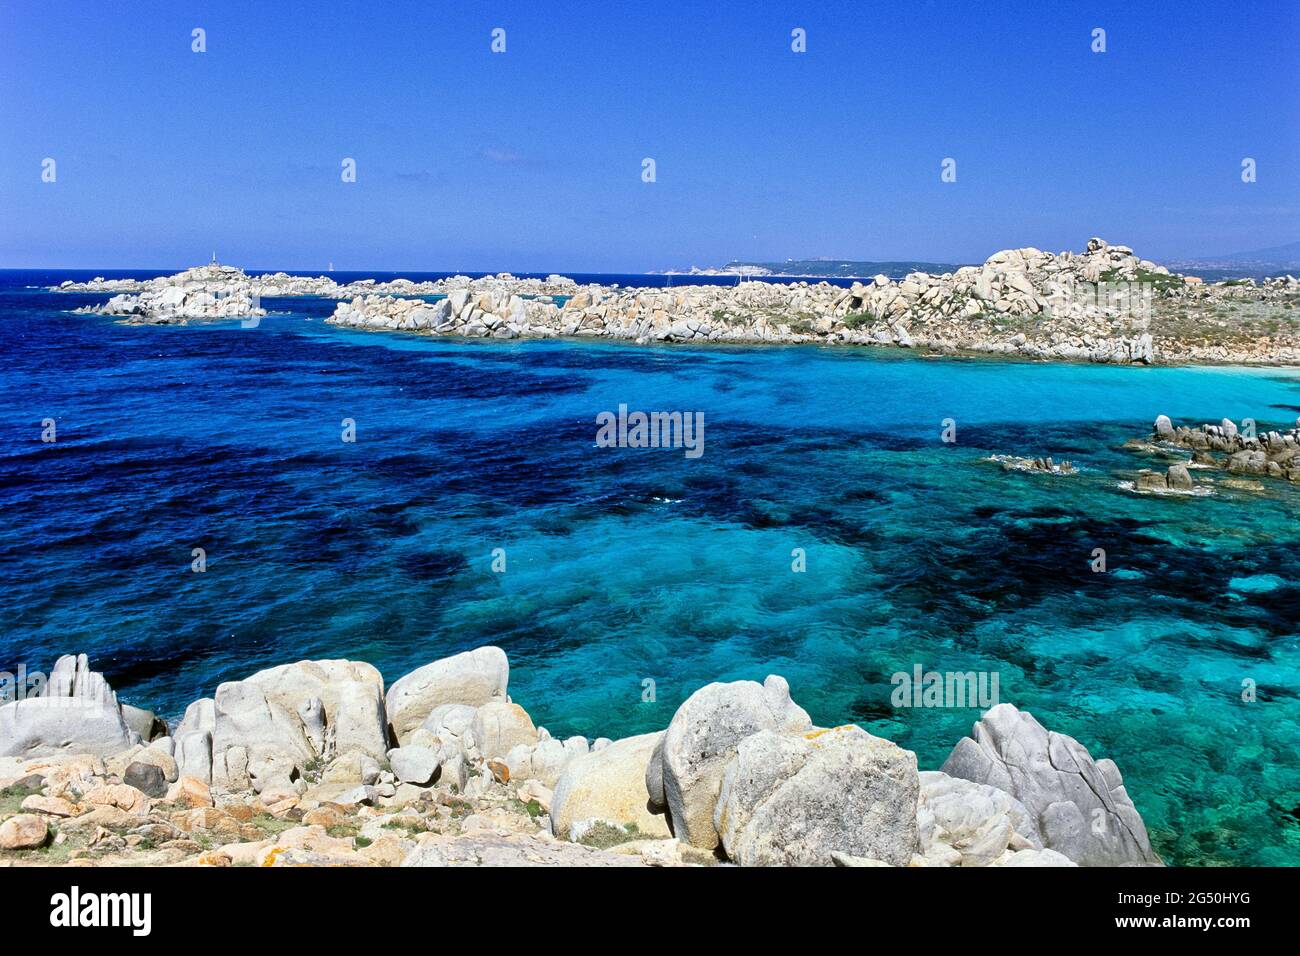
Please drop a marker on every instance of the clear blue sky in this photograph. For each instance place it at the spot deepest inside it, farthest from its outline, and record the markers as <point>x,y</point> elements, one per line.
<point>531,159</point>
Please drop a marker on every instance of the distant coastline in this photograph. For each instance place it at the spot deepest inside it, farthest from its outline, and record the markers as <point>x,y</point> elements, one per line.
<point>820,269</point>
<point>1258,264</point>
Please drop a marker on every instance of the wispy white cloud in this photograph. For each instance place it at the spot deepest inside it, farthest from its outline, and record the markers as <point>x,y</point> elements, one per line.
<point>504,156</point>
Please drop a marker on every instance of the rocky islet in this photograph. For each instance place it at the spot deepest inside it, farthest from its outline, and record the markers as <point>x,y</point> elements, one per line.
<point>1238,452</point>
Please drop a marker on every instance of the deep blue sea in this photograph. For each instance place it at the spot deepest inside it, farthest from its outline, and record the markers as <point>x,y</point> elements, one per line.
<point>628,564</point>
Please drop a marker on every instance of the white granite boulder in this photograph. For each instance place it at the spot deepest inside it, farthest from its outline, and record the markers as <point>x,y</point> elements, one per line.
<point>77,712</point>
<point>199,716</point>
<point>473,678</point>
<point>156,756</point>
<point>794,799</point>
<point>702,739</point>
<point>977,822</point>
<point>1034,858</point>
<point>268,728</point>
<point>194,755</point>
<point>351,695</point>
<point>608,785</point>
<point>499,727</point>
<point>256,742</point>
<point>146,723</point>
<point>193,736</point>
<point>1078,804</point>
<point>546,760</point>
<point>416,765</point>
<point>352,767</point>
<point>449,721</point>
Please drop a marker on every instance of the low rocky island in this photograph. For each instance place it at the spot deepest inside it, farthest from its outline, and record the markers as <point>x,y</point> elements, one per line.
<point>1104,304</point>
<point>1041,466</point>
<point>319,763</point>
<point>1224,447</point>
<point>1273,454</point>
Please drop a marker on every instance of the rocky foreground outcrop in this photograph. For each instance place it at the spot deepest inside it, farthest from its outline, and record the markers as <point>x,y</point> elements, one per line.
<point>314,764</point>
<point>1101,305</point>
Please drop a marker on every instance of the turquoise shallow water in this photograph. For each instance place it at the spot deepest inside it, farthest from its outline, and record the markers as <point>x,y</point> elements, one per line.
<point>628,564</point>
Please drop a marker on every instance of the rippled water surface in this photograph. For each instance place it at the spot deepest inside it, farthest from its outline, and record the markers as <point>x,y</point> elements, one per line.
<point>628,564</point>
